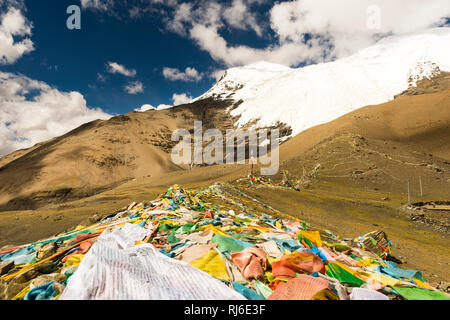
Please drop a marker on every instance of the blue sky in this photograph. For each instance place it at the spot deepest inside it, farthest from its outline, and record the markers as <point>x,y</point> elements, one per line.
<point>72,59</point>
<point>167,52</point>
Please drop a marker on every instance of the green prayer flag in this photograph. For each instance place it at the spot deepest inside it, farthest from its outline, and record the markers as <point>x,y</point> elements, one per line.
<point>335,271</point>
<point>410,293</point>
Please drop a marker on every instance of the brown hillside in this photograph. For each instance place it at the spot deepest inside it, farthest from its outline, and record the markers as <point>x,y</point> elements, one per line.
<point>100,155</point>
<point>380,147</point>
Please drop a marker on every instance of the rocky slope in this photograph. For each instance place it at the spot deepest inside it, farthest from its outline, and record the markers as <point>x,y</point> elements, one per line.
<point>381,147</point>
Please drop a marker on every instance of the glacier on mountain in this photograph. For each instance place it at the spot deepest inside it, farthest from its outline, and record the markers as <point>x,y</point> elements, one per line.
<point>317,94</point>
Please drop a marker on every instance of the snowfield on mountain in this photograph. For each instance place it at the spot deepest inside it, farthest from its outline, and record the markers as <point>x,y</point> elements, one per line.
<point>305,97</point>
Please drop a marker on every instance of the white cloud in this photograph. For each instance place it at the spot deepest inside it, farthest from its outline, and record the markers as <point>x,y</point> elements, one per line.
<point>235,15</point>
<point>181,99</point>
<point>178,99</point>
<point>204,24</point>
<point>304,30</point>
<point>31,111</point>
<point>348,23</point>
<point>239,16</point>
<point>101,77</point>
<point>114,67</point>
<point>217,74</point>
<point>189,74</point>
<point>164,106</point>
<point>14,24</point>
<point>134,87</point>
<point>147,107</point>
<point>183,14</point>
<point>102,5</point>
<point>338,28</point>
<point>208,39</point>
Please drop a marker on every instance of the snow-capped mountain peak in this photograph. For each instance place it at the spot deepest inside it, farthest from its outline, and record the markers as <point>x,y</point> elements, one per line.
<point>252,75</point>
<point>316,94</point>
